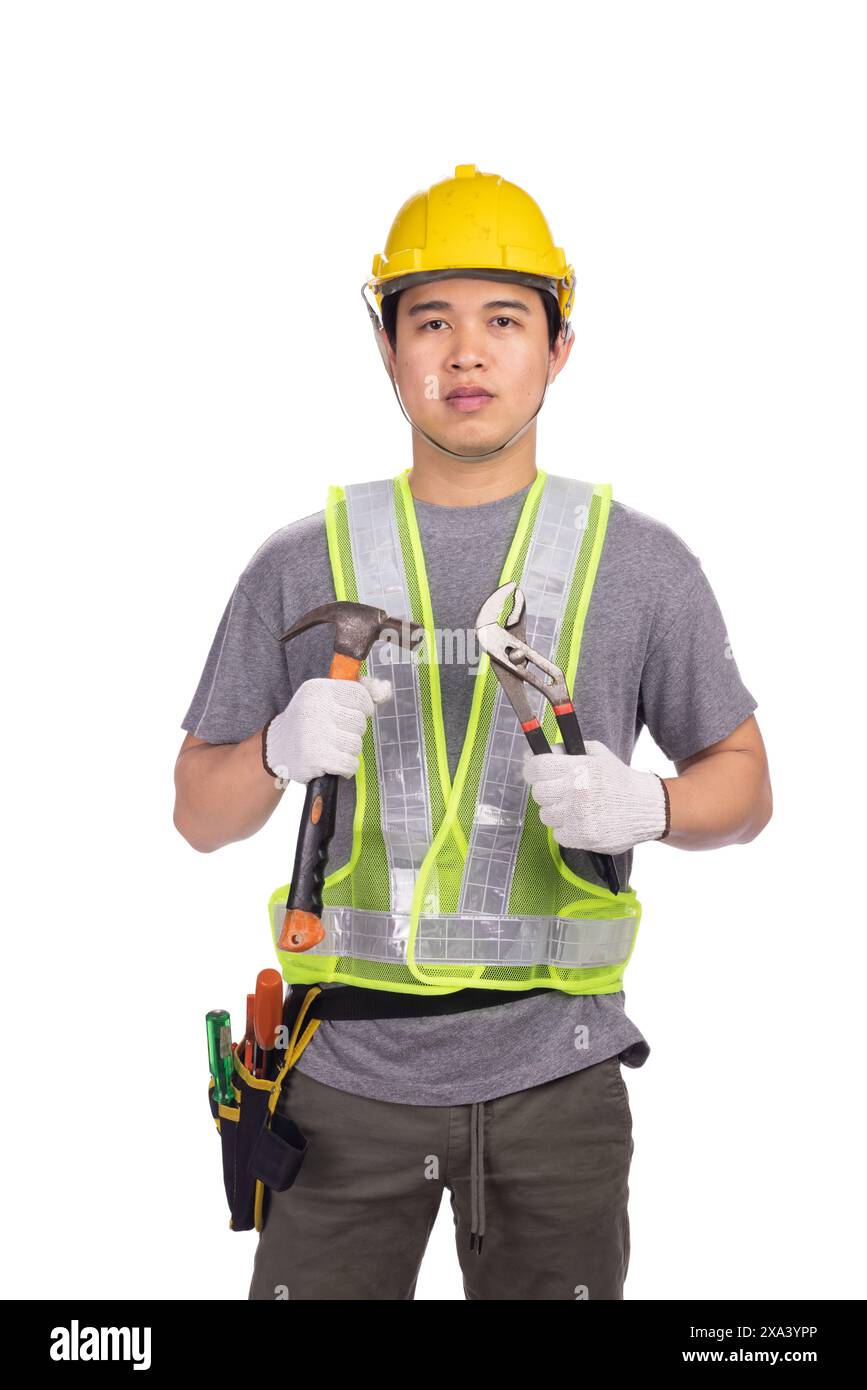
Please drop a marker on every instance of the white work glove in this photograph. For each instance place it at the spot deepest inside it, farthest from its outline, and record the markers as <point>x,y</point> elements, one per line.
<point>321,728</point>
<point>593,801</point>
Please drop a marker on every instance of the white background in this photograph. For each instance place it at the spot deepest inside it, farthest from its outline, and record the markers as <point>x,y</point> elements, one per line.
<point>193,196</point>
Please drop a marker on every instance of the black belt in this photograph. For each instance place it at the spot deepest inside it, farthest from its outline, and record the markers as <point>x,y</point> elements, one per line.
<point>352,1001</point>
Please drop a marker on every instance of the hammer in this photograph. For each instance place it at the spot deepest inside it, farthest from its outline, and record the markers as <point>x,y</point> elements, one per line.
<point>356,627</point>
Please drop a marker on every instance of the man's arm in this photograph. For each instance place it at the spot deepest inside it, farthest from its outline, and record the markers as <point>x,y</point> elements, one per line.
<point>222,791</point>
<point>722,795</point>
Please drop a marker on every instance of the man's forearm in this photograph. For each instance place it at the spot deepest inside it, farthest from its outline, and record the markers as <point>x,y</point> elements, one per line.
<point>724,799</point>
<point>223,793</point>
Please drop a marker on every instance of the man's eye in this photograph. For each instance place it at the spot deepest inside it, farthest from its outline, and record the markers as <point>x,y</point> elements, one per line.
<point>501,318</point>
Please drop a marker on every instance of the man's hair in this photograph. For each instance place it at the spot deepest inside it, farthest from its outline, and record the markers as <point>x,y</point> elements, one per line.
<point>389,316</point>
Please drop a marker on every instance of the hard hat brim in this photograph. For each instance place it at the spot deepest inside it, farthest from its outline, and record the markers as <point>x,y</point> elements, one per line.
<point>420,277</point>
<point>561,290</point>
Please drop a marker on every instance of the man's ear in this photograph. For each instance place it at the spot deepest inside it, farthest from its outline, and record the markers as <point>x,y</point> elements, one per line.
<point>559,355</point>
<point>385,352</point>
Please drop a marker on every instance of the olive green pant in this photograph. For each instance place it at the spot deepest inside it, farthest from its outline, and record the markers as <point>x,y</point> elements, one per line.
<point>554,1188</point>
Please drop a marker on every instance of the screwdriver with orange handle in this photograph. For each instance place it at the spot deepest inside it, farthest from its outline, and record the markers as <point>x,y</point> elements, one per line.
<point>267,1019</point>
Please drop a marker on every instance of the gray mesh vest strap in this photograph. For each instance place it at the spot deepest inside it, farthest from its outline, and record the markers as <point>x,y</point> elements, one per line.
<point>401,768</point>
<point>499,819</point>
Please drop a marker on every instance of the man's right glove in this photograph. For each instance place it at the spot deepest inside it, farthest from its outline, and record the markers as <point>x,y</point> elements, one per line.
<point>321,728</point>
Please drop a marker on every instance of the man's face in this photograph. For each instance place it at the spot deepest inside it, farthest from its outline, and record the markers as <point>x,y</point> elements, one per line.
<point>487,335</point>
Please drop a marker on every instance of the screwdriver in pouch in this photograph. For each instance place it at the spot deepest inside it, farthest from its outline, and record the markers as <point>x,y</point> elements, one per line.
<point>249,1041</point>
<point>267,1019</point>
<point>220,1055</point>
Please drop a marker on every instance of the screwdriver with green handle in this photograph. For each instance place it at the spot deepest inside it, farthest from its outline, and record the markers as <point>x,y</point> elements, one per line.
<point>220,1058</point>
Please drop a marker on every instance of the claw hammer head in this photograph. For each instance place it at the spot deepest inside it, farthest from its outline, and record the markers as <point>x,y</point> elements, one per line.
<point>356,627</point>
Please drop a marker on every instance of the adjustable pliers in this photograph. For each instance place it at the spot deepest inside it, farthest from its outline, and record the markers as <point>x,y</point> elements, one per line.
<point>511,657</point>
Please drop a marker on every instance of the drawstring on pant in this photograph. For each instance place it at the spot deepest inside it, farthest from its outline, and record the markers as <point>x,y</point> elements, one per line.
<point>477,1175</point>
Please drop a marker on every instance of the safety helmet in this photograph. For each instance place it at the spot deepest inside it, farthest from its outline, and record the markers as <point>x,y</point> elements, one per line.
<point>477,225</point>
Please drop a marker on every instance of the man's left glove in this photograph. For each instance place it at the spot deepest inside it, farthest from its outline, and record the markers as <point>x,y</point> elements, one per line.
<point>595,801</point>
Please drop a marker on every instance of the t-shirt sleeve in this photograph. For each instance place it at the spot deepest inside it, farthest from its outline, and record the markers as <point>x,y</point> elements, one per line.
<point>691,693</point>
<point>245,679</point>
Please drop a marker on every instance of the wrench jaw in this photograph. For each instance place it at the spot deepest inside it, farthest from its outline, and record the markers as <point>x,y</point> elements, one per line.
<point>503,639</point>
<point>507,645</point>
<point>489,613</point>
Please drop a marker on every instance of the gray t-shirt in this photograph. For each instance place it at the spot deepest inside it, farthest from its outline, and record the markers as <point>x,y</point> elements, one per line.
<point>654,652</point>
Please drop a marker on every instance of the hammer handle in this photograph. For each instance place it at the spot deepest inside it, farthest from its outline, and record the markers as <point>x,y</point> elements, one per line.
<point>314,838</point>
<point>301,926</point>
<point>344,668</point>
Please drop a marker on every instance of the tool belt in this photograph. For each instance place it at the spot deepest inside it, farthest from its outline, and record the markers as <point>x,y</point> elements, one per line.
<point>352,1001</point>
<point>263,1149</point>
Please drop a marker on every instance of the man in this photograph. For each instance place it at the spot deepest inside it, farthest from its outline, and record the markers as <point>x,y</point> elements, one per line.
<point>506,1085</point>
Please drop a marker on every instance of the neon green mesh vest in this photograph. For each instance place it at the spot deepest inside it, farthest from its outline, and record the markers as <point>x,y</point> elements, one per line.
<point>455,886</point>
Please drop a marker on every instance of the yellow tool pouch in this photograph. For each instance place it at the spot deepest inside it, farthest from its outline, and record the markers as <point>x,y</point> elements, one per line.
<point>263,1149</point>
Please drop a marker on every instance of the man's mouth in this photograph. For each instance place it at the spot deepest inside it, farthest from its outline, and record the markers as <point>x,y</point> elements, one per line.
<point>468,398</point>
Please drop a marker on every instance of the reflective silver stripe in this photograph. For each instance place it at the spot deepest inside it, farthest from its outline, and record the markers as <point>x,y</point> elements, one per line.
<point>561,521</point>
<point>567,942</point>
<point>380,577</point>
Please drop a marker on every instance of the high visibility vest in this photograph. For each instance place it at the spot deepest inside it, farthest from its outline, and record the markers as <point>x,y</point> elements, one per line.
<point>449,886</point>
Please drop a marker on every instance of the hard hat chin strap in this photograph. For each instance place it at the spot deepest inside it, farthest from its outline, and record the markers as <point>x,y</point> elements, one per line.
<point>379,334</point>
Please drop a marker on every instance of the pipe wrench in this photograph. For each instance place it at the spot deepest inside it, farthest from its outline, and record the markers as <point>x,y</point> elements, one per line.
<point>506,645</point>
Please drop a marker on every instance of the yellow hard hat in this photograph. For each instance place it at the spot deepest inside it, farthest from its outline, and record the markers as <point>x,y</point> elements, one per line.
<point>477,223</point>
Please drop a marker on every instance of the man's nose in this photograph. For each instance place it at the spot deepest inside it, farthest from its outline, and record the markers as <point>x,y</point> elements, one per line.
<point>466,352</point>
